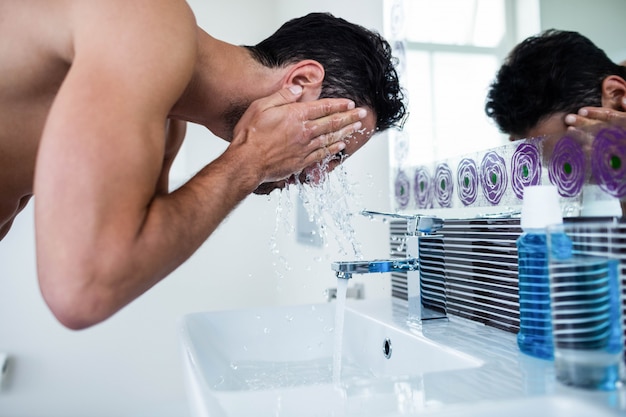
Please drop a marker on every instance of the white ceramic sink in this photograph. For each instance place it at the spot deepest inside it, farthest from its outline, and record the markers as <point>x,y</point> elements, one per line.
<point>278,362</point>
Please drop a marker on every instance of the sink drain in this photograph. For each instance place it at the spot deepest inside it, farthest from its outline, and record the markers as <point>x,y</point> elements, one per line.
<point>387,348</point>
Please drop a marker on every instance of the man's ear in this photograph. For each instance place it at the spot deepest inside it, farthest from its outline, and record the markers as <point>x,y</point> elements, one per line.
<point>613,91</point>
<point>308,74</point>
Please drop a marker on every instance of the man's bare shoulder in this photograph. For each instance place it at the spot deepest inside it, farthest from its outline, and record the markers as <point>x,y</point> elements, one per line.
<point>152,44</point>
<point>146,22</point>
<point>47,37</point>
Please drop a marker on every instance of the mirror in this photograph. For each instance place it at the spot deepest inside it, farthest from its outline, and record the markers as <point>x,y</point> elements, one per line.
<point>449,52</point>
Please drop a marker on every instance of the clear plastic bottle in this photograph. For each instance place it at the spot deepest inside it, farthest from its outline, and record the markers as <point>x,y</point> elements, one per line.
<point>540,209</point>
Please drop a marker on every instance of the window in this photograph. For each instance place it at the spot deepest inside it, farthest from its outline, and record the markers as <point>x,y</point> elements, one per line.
<point>452,51</point>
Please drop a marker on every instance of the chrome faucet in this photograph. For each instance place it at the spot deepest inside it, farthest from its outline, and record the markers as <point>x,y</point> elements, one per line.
<point>417,225</point>
<point>346,269</point>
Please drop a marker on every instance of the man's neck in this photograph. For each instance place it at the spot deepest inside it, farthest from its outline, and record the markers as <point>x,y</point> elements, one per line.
<point>225,75</point>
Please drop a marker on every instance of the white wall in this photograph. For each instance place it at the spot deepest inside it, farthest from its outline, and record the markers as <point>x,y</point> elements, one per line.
<point>130,365</point>
<point>602,21</point>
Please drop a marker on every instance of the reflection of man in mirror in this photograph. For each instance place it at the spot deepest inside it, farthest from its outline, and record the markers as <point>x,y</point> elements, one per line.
<point>557,82</point>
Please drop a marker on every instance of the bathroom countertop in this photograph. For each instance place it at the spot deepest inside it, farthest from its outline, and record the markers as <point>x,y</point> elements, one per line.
<point>507,382</point>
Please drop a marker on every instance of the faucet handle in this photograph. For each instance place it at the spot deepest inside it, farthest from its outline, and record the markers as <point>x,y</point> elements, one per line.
<point>372,214</point>
<point>416,223</point>
<point>411,219</point>
<point>429,224</point>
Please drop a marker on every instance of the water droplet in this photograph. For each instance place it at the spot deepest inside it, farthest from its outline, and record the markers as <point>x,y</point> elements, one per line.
<point>234,365</point>
<point>327,201</point>
<point>267,330</point>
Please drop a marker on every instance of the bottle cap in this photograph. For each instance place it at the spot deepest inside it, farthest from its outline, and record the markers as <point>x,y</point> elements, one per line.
<point>541,207</point>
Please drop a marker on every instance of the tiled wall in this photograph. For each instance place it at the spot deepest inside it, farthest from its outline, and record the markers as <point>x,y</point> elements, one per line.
<point>470,269</point>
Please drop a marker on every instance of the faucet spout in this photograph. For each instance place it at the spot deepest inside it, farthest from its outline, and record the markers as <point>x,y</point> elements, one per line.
<point>418,228</point>
<point>345,269</point>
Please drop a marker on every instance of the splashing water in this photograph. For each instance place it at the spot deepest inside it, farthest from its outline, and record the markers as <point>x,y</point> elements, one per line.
<point>327,202</point>
<point>283,214</point>
<point>329,199</point>
<point>342,288</point>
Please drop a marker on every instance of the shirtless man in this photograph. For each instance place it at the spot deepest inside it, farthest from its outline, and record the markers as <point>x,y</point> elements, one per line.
<point>94,97</point>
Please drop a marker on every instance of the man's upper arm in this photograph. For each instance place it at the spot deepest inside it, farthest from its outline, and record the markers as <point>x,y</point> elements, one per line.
<point>102,148</point>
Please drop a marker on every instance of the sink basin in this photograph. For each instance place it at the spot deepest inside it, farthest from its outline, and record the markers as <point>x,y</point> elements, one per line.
<point>279,362</point>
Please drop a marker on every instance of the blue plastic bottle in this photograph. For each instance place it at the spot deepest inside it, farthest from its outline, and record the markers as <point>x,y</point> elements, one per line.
<point>540,209</point>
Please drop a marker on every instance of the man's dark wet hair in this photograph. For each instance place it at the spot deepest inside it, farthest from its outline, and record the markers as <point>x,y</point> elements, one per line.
<point>357,62</point>
<point>555,71</point>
